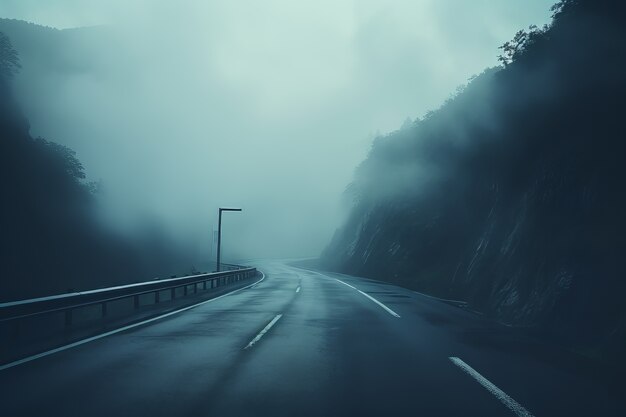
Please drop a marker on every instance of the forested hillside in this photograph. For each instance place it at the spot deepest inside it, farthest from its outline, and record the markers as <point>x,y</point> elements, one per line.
<point>511,195</point>
<point>50,238</point>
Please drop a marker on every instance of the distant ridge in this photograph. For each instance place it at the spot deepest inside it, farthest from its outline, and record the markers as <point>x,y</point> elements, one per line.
<point>45,49</point>
<point>5,22</point>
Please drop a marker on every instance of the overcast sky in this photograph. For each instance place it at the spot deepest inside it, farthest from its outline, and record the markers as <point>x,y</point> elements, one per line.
<point>265,104</point>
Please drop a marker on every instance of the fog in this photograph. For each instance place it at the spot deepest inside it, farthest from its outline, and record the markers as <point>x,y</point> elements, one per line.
<point>181,107</point>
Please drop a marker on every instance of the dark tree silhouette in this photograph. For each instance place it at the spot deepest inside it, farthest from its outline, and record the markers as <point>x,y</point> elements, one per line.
<point>50,238</point>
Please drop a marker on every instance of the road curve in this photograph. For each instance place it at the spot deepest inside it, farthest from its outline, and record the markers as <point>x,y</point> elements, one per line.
<point>309,343</point>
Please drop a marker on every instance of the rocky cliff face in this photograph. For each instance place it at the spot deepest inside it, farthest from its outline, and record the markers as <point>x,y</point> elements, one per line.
<point>511,196</point>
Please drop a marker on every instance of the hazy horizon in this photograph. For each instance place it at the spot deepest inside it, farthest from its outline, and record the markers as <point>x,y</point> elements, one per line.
<point>269,107</point>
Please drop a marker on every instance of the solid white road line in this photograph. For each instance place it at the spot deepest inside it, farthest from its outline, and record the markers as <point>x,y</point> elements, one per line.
<point>121,329</point>
<point>265,330</point>
<point>298,289</point>
<point>497,392</point>
<point>387,309</point>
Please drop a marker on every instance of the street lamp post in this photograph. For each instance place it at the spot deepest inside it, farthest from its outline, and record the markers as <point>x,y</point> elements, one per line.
<point>219,233</point>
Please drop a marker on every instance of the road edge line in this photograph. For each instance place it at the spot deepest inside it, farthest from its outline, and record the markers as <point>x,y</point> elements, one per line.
<point>387,309</point>
<point>384,307</point>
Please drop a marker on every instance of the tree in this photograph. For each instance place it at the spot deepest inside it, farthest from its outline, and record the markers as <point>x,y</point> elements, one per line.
<point>9,59</point>
<point>514,48</point>
<point>63,157</point>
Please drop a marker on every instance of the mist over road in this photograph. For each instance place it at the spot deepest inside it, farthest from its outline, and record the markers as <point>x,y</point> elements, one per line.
<point>303,342</point>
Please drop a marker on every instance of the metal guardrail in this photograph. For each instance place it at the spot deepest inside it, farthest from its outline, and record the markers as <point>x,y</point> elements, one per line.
<point>17,310</point>
<point>231,267</point>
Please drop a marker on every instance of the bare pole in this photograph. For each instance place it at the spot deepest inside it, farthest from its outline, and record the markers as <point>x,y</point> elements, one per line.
<point>219,233</point>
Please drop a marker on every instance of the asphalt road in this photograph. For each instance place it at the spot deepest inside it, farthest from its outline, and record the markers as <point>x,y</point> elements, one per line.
<point>305,343</point>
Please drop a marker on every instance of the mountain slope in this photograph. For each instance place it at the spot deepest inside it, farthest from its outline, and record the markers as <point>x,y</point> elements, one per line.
<point>51,237</point>
<point>46,50</point>
<point>510,196</point>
